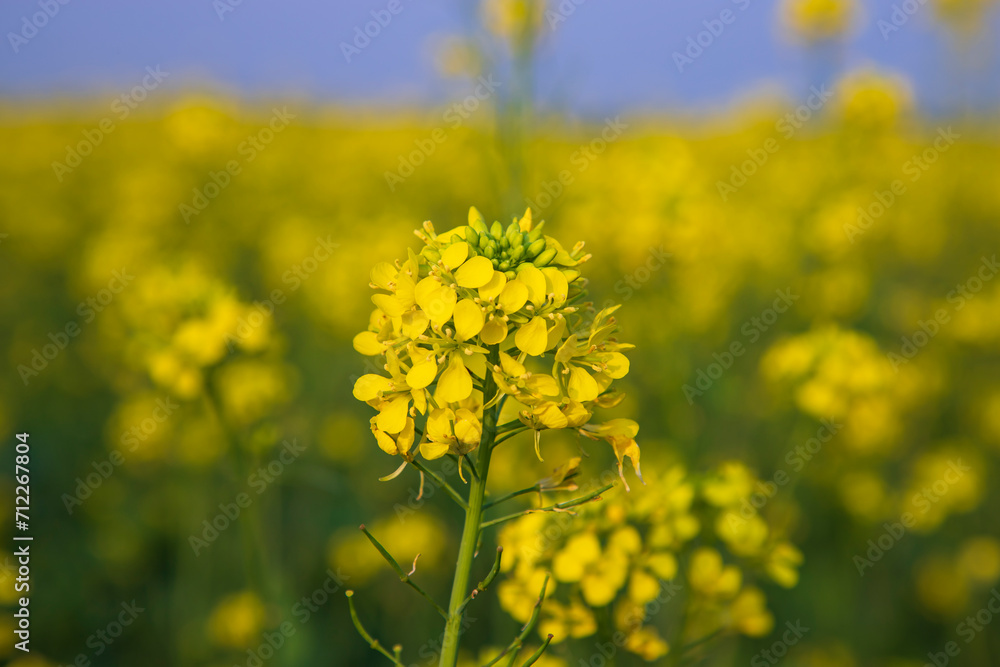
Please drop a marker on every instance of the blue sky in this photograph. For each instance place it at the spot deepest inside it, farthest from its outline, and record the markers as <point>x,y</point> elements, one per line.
<point>607,56</point>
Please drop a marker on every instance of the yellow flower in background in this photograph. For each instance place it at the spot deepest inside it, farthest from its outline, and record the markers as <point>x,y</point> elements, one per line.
<point>817,20</point>
<point>635,552</point>
<point>480,290</point>
<point>237,620</point>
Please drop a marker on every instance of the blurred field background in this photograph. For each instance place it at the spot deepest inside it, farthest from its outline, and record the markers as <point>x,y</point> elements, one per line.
<point>157,397</point>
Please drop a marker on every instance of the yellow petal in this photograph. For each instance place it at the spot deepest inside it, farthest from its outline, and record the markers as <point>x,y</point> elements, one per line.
<point>405,438</point>
<point>455,254</point>
<point>617,365</point>
<point>492,289</point>
<point>433,450</point>
<point>392,416</point>
<point>555,333</point>
<point>582,386</point>
<point>440,305</point>
<point>555,284</point>
<point>469,319</point>
<point>388,304</point>
<point>455,382</point>
<point>494,331</point>
<point>422,374</point>
<point>404,290</point>
<point>385,442</point>
<point>384,275</point>
<point>525,223</point>
<point>534,280</point>
<point>368,344</point>
<point>531,337</point>
<point>439,424</point>
<point>414,323</point>
<point>475,215</point>
<point>474,273</point>
<point>368,386</point>
<point>514,296</point>
<point>626,447</point>
<point>423,290</point>
<point>468,430</point>
<point>510,365</point>
<point>550,415</point>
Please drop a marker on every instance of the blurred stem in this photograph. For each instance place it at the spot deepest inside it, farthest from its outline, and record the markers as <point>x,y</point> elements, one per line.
<point>473,519</point>
<point>251,530</point>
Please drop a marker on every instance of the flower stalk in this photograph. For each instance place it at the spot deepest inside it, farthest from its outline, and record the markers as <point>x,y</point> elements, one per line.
<point>473,524</point>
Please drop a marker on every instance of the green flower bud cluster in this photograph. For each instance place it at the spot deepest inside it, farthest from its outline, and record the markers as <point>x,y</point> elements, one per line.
<point>510,248</point>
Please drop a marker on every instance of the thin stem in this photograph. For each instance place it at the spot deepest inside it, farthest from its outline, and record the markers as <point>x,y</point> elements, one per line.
<point>511,434</point>
<point>596,495</point>
<point>403,576</point>
<point>485,583</point>
<point>537,654</point>
<point>440,482</point>
<point>514,423</point>
<point>518,641</point>
<point>513,494</point>
<point>470,533</point>
<point>373,643</point>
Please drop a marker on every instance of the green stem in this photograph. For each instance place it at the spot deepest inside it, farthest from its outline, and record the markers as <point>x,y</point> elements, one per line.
<point>473,518</point>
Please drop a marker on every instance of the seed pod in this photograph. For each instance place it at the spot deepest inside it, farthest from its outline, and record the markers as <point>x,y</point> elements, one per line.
<point>535,248</point>
<point>544,258</point>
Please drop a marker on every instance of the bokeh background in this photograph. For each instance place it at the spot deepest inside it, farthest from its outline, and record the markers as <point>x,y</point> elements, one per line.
<point>192,195</point>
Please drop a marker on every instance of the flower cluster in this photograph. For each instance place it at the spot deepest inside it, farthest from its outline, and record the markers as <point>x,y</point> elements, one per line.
<point>619,553</point>
<point>484,306</point>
